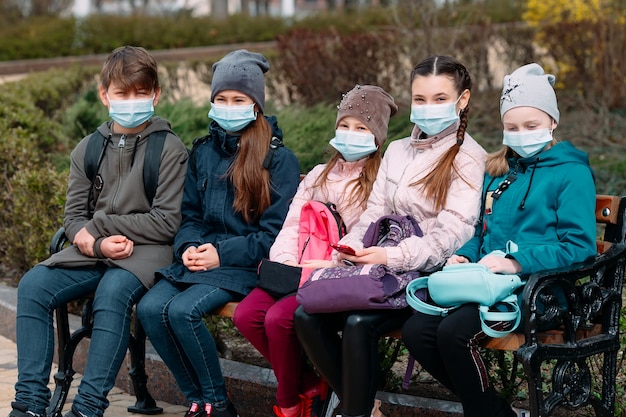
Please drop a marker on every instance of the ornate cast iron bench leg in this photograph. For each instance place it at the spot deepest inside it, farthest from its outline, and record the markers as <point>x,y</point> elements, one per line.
<point>137,346</point>
<point>66,347</point>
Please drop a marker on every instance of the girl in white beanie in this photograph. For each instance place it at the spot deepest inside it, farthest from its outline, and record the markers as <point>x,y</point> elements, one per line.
<point>538,205</point>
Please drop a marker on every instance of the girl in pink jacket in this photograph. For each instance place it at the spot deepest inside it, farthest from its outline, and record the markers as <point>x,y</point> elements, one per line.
<point>435,176</point>
<point>346,181</point>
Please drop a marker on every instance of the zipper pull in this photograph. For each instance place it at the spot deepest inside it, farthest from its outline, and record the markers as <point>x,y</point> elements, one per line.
<point>306,243</point>
<point>122,142</point>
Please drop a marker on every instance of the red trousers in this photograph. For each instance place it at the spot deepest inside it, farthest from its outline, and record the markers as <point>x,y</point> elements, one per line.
<point>268,324</point>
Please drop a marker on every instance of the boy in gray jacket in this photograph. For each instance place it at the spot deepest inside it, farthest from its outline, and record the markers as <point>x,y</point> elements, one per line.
<point>120,235</point>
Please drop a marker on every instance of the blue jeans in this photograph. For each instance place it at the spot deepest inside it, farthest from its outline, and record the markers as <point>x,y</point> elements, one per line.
<point>172,318</point>
<point>40,291</point>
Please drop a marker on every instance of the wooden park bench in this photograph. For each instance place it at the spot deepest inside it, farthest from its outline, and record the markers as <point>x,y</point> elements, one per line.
<point>588,327</point>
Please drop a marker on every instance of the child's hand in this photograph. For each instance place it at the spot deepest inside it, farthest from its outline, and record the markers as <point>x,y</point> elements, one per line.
<point>371,255</point>
<point>502,265</point>
<point>84,242</point>
<point>117,247</point>
<point>202,258</point>
<point>457,259</point>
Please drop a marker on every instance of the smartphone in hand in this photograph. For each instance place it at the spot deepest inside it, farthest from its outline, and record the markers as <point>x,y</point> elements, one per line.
<point>343,249</point>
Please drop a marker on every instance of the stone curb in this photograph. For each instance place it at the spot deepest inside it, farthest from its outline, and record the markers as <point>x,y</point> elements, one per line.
<point>252,388</point>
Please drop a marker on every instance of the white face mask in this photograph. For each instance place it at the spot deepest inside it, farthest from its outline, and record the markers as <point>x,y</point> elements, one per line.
<point>131,113</point>
<point>528,142</point>
<point>353,145</point>
<point>232,118</point>
<point>434,118</point>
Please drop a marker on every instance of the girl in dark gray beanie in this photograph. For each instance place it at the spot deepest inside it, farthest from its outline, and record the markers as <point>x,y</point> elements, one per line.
<point>237,190</point>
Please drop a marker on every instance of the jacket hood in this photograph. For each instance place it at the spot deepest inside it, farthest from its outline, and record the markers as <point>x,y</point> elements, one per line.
<point>561,153</point>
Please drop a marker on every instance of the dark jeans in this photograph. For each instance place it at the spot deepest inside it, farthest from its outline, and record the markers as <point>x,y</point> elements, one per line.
<point>447,347</point>
<point>350,362</point>
<point>172,316</point>
<point>40,291</point>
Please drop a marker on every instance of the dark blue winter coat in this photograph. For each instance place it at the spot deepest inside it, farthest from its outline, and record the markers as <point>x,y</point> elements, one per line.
<point>208,215</point>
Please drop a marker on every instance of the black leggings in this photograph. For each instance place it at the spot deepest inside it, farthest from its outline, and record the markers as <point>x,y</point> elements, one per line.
<point>350,362</point>
<point>447,347</point>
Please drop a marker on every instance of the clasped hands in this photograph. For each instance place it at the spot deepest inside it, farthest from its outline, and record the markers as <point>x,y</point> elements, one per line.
<point>113,247</point>
<point>201,258</point>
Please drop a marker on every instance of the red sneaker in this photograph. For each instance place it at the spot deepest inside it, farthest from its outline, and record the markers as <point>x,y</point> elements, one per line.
<point>314,399</point>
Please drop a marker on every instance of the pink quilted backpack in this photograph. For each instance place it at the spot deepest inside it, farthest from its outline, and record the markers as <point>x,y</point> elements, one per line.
<point>320,225</point>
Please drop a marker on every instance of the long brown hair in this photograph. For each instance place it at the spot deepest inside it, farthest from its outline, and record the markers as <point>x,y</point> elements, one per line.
<point>437,182</point>
<point>250,180</point>
<point>362,185</point>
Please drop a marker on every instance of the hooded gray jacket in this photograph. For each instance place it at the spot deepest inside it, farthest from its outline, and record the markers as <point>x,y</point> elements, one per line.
<point>122,207</point>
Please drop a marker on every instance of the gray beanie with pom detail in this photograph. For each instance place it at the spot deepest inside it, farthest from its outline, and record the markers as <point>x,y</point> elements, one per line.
<point>243,71</point>
<point>529,86</point>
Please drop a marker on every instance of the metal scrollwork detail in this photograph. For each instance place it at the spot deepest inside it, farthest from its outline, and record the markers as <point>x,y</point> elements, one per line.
<point>592,300</point>
<point>571,380</point>
<point>550,311</point>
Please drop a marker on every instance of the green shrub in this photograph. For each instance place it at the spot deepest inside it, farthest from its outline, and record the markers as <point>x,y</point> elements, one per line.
<point>42,37</point>
<point>37,198</point>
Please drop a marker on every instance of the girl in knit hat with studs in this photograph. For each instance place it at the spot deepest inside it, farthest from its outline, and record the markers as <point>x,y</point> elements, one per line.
<point>346,180</point>
<point>435,176</point>
<point>238,187</point>
<point>538,208</point>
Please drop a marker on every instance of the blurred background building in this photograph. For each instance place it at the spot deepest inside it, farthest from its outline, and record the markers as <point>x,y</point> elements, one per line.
<point>284,8</point>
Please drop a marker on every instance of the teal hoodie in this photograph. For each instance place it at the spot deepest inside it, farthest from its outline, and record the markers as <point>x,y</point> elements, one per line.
<point>548,211</point>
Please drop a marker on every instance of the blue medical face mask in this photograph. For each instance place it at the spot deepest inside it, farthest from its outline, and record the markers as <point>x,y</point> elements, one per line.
<point>353,145</point>
<point>232,118</point>
<point>528,142</point>
<point>434,118</point>
<point>131,113</point>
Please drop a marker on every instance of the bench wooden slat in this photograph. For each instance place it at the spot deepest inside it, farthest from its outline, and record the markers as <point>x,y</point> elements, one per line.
<point>227,310</point>
<point>607,209</point>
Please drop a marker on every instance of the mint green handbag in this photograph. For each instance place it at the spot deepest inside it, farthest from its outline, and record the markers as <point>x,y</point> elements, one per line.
<point>464,283</point>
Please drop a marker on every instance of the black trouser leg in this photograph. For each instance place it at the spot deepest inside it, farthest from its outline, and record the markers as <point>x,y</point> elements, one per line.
<point>447,347</point>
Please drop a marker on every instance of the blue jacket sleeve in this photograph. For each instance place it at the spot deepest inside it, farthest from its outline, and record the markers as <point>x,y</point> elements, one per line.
<point>576,225</point>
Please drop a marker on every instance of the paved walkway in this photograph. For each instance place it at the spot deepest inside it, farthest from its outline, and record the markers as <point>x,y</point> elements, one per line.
<point>119,399</point>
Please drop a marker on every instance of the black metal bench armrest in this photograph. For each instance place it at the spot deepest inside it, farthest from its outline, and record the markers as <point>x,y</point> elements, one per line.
<point>588,289</point>
<point>59,240</point>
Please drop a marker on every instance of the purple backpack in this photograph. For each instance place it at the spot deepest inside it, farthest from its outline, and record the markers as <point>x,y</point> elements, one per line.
<point>363,287</point>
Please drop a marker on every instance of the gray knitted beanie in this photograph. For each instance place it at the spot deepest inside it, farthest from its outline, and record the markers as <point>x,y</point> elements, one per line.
<point>529,86</point>
<point>243,71</point>
<point>372,106</point>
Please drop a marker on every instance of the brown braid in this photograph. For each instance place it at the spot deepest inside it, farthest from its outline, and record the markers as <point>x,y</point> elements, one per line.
<point>437,182</point>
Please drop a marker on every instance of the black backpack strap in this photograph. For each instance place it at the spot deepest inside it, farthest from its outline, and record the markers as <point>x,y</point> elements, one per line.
<point>341,226</point>
<point>275,143</point>
<point>152,163</point>
<point>94,154</point>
